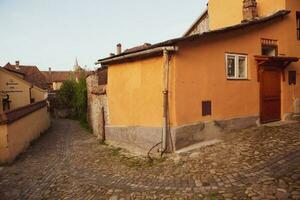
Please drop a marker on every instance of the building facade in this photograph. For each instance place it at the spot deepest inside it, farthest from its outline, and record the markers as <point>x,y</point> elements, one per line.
<point>23,113</point>
<point>243,72</point>
<point>17,92</point>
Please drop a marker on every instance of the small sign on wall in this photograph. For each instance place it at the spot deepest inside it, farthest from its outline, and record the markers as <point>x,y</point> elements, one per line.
<point>12,87</point>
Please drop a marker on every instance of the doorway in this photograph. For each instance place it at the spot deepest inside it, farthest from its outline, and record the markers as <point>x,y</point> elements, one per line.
<point>270,95</point>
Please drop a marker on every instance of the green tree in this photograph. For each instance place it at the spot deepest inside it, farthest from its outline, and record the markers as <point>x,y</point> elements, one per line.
<point>73,95</point>
<point>80,103</point>
<point>66,93</point>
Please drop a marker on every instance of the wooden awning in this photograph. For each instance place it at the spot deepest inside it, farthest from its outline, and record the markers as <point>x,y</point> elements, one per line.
<point>280,62</point>
<point>275,61</point>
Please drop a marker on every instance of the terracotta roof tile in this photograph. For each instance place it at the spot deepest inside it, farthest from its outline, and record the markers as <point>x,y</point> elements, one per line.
<point>61,76</point>
<point>137,48</point>
<point>32,74</point>
<point>57,76</point>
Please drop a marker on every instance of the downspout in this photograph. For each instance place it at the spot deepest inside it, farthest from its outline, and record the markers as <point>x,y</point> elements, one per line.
<point>165,99</point>
<point>166,77</point>
<point>30,95</point>
<point>165,120</point>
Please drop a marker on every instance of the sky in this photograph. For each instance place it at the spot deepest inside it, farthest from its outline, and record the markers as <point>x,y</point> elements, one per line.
<point>53,33</point>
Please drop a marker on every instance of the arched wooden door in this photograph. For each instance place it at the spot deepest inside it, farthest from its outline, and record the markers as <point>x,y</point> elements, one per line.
<point>270,95</point>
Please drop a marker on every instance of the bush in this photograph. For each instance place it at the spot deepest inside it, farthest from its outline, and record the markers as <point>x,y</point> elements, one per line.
<point>73,95</point>
<point>66,93</point>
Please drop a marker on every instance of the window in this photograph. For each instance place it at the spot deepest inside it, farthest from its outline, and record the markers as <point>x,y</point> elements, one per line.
<point>102,77</point>
<point>236,66</point>
<point>6,103</point>
<point>269,47</point>
<point>292,77</point>
<point>206,108</point>
<point>269,50</point>
<point>298,25</point>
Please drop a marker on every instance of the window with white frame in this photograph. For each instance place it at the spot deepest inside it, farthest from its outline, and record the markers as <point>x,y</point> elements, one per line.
<point>236,66</point>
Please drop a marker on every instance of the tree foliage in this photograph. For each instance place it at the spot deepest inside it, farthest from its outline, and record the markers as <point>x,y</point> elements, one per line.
<point>73,95</point>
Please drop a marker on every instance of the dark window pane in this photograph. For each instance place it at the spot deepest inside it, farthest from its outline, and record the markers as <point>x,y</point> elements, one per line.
<point>242,67</point>
<point>231,66</point>
<point>292,77</point>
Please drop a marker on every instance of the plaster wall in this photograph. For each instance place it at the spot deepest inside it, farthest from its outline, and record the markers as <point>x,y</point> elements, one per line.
<point>16,137</point>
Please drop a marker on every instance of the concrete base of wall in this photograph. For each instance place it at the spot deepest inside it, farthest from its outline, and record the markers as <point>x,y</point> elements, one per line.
<point>138,137</point>
<point>238,123</point>
<point>186,135</point>
<point>203,131</point>
<point>182,136</point>
<point>296,116</point>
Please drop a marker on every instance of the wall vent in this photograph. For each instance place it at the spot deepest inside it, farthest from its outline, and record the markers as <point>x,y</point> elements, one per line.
<point>206,108</point>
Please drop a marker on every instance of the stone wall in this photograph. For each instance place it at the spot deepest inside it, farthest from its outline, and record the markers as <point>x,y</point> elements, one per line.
<point>97,106</point>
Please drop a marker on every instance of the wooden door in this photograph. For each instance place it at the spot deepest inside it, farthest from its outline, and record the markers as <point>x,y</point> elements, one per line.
<point>270,108</point>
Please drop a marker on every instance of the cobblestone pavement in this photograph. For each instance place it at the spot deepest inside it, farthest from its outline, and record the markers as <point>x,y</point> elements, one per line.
<point>67,163</point>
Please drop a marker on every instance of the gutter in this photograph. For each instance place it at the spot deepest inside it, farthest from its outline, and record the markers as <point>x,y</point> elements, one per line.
<point>137,54</point>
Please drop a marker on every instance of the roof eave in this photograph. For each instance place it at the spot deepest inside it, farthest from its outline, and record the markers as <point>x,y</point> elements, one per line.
<point>173,42</point>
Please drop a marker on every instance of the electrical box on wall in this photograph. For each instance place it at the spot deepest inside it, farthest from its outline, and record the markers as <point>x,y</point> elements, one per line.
<point>206,108</point>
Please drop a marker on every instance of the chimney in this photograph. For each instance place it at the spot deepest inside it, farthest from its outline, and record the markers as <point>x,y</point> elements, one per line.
<point>249,10</point>
<point>17,64</point>
<point>50,73</point>
<point>119,49</point>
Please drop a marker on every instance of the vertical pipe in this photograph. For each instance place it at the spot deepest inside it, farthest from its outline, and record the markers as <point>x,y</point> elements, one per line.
<point>165,100</point>
<point>103,124</point>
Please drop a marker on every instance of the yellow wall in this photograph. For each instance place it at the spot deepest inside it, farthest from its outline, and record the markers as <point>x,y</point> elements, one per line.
<point>135,93</point>
<point>57,85</point>
<point>267,7</point>
<point>18,90</point>
<point>19,93</point>
<point>16,137</point>
<point>230,12</point>
<point>4,152</point>
<point>38,94</point>
<point>201,73</point>
<point>1,106</point>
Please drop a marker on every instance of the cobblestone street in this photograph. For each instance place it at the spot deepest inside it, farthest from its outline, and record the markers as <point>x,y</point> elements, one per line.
<point>68,163</point>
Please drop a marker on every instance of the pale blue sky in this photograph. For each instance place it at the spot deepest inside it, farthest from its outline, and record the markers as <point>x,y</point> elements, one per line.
<point>52,33</point>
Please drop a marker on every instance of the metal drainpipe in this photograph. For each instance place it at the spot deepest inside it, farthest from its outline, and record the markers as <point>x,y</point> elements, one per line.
<point>165,100</point>
<point>30,95</point>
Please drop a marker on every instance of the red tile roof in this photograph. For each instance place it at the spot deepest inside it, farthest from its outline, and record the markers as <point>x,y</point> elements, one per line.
<point>137,48</point>
<point>31,74</point>
<point>57,76</point>
<point>61,76</point>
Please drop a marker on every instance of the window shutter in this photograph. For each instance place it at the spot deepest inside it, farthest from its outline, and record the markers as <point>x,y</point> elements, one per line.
<point>298,25</point>
<point>206,108</point>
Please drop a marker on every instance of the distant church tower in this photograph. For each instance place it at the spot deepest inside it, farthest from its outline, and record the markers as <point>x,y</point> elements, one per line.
<point>76,66</point>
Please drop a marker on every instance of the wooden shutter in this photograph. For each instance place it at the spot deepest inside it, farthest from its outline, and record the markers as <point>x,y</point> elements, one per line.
<point>298,25</point>
<point>206,108</point>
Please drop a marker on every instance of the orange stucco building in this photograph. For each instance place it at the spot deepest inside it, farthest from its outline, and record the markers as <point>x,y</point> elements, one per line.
<point>241,71</point>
